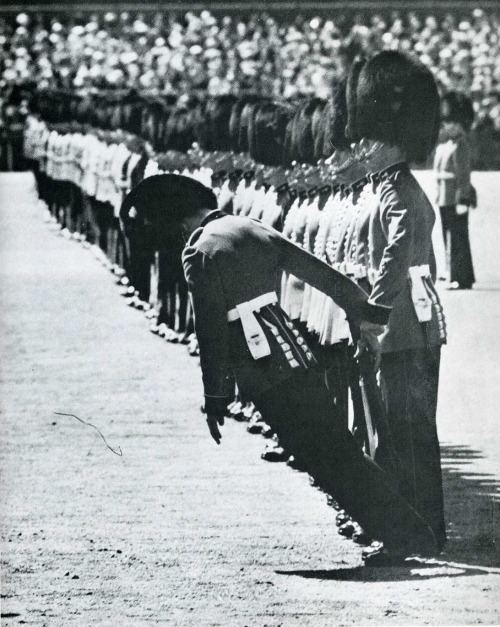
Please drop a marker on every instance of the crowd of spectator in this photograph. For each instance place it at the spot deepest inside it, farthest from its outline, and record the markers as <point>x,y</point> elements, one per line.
<point>280,56</point>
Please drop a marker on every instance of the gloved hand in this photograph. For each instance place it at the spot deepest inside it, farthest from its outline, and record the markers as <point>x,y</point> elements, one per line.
<point>213,423</point>
<point>368,341</point>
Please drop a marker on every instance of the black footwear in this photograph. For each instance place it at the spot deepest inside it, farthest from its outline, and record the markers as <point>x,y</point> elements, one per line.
<point>240,414</point>
<point>172,336</point>
<point>248,411</point>
<point>256,424</point>
<point>275,454</point>
<point>361,537</point>
<point>331,502</point>
<point>376,555</point>
<point>295,464</point>
<point>347,529</point>
<point>267,432</point>
<point>341,518</point>
<point>183,338</point>
<point>234,409</point>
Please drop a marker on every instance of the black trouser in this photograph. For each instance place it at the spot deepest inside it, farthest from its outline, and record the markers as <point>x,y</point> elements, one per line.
<point>173,292</point>
<point>409,382</point>
<point>74,209</point>
<point>11,153</point>
<point>457,246</point>
<point>300,411</point>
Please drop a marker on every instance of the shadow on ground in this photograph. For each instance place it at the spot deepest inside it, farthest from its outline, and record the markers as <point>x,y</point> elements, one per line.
<point>472,504</point>
<point>472,509</point>
<point>413,570</point>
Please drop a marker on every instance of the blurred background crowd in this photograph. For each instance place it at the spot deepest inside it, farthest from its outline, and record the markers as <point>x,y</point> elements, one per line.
<point>281,55</point>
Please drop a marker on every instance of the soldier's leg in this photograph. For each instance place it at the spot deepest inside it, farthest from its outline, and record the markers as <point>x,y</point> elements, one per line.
<point>410,387</point>
<point>299,411</point>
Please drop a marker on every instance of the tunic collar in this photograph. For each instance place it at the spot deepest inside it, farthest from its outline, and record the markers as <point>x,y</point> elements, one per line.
<point>213,215</point>
<point>383,157</point>
<point>210,217</point>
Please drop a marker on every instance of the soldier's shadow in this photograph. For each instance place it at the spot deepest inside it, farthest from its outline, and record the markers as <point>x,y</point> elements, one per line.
<point>411,571</point>
<point>472,510</point>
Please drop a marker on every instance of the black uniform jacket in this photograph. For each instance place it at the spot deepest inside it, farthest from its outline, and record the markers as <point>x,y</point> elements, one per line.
<point>230,260</point>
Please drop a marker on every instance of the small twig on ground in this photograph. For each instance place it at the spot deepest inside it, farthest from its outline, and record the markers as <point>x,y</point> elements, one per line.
<point>89,424</point>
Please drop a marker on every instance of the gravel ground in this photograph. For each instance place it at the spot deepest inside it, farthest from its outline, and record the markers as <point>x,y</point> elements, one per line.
<point>178,531</point>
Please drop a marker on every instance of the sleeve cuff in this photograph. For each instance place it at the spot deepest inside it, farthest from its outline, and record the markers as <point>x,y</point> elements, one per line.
<point>379,314</point>
<point>217,405</point>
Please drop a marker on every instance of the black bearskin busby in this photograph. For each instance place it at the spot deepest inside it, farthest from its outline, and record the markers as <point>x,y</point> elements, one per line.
<point>394,100</point>
<point>155,207</point>
<point>457,107</point>
<point>267,133</point>
<point>332,134</point>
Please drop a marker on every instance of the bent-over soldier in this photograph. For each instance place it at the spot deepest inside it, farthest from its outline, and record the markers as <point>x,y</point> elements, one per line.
<point>233,266</point>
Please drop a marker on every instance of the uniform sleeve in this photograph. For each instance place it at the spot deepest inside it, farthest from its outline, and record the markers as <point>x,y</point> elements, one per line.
<point>345,293</point>
<point>212,330</point>
<point>397,224</point>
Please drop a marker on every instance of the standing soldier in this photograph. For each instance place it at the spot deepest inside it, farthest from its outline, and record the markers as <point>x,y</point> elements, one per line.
<point>455,194</point>
<point>394,106</point>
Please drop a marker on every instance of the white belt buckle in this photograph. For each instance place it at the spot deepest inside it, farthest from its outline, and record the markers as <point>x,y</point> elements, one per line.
<point>419,294</point>
<point>254,334</point>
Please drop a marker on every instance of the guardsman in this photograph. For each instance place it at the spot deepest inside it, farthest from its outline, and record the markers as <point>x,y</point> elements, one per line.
<point>394,101</point>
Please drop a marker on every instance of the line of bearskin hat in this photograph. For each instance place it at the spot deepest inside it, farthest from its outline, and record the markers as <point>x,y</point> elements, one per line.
<point>393,98</point>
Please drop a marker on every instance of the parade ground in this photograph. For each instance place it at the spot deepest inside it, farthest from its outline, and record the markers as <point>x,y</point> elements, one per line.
<point>139,518</point>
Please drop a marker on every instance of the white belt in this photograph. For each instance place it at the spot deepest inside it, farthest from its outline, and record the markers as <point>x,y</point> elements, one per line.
<point>349,268</point>
<point>254,334</point>
<point>360,271</point>
<point>419,294</point>
<point>356,270</point>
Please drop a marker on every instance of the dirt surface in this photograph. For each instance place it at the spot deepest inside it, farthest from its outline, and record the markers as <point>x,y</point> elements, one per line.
<point>178,531</point>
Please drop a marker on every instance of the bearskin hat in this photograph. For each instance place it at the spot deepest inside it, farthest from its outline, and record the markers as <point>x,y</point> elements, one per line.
<point>332,131</point>
<point>394,99</point>
<point>351,129</point>
<point>457,107</point>
<point>246,120</point>
<point>217,117</point>
<point>158,203</point>
<point>302,134</point>
<point>267,133</point>
<point>318,129</point>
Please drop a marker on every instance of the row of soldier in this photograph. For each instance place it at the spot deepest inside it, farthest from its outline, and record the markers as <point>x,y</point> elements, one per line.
<point>287,164</point>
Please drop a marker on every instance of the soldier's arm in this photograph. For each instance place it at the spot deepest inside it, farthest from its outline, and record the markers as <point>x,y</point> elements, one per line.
<point>398,225</point>
<point>346,294</point>
<point>212,330</point>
